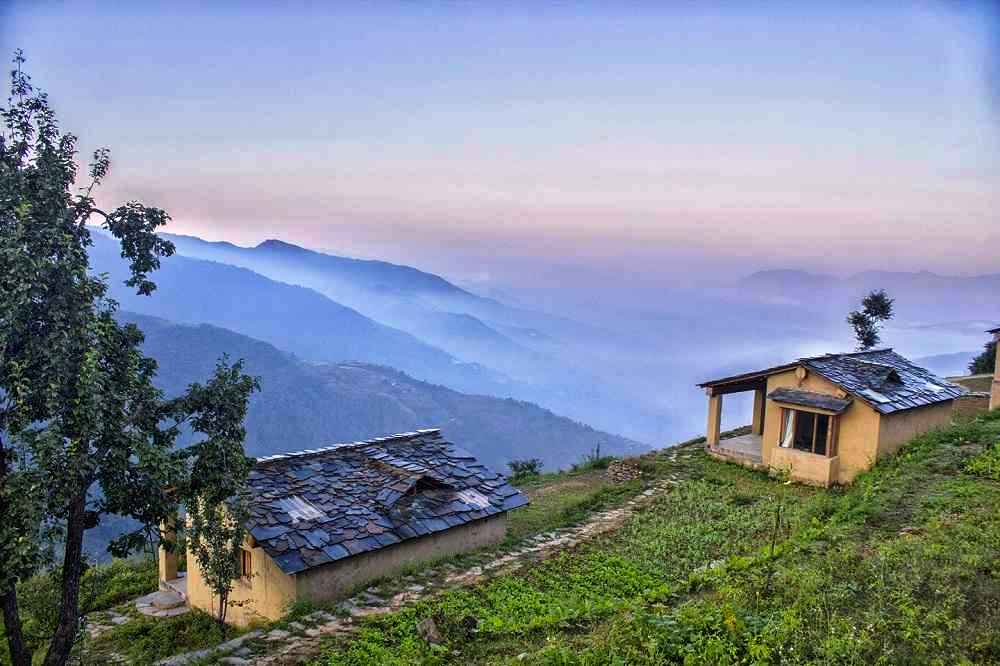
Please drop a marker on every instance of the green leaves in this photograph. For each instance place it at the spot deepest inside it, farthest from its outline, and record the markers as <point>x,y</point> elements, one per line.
<point>83,430</point>
<point>876,308</point>
<point>985,362</point>
<point>135,226</point>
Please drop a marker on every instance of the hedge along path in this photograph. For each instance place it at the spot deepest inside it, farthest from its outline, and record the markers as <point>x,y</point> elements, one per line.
<point>302,639</point>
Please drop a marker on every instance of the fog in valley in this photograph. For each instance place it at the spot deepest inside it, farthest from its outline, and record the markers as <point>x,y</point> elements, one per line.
<point>622,357</point>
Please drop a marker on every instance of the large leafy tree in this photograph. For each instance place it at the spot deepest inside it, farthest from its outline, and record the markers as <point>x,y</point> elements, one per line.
<point>876,309</point>
<point>985,362</point>
<point>83,431</point>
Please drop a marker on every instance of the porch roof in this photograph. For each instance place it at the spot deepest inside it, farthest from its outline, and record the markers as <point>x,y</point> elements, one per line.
<point>790,396</point>
<point>746,381</point>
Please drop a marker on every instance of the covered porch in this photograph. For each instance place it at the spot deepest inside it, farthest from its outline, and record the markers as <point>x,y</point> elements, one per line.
<point>744,447</point>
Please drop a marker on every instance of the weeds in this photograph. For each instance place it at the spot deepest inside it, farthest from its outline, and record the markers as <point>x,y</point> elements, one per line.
<point>903,567</point>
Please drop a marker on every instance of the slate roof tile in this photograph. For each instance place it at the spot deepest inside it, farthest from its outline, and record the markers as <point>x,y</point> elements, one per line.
<point>322,505</point>
<point>884,379</point>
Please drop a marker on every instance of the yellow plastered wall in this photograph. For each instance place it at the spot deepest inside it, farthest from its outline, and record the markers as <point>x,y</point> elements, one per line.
<point>863,435</point>
<point>898,428</point>
<point>857,436</point>
<point>266,596</point>
<point>338,580</point>
<point>270,591</point>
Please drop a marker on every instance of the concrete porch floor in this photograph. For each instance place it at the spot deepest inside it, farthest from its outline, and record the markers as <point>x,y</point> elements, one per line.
<point>741,448</point>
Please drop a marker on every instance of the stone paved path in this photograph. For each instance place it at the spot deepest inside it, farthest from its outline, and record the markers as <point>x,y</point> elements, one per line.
<point>302,640</point>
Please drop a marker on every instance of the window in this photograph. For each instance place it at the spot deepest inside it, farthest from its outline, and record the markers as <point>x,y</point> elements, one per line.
<point>246,564</point>
<point>808,431</point>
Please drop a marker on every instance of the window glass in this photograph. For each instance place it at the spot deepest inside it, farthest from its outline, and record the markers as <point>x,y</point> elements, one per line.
<point>822,428</point>
<point>246,565</point>
<point>804,422</point>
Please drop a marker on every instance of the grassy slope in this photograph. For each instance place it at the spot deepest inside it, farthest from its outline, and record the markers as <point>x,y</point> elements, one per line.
<point>902,567</point>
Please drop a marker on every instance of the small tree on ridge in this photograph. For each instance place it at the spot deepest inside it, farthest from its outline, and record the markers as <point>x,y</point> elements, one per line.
<point>876,309</point>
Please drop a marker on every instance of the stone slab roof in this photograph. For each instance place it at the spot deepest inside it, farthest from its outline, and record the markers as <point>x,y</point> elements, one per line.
<point>319,506</point>
<point>880,377</point>
<point>790,396</point>
<point>884,379</point>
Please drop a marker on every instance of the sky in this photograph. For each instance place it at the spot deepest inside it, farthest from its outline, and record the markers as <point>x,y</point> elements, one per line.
<point>547,144</point>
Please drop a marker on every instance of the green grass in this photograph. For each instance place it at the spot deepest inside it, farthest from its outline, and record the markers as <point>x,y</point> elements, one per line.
<point>145,640</point>
<point>903,567</point>
<point>103,586</point>
<point>562,500</point>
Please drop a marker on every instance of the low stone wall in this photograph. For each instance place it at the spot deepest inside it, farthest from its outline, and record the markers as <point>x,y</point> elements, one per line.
<point>972,404</point>
<point>622,471</point>
<point>975,383</point>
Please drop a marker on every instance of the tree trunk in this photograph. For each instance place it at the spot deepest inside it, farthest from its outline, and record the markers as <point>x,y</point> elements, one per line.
<point>223,608</point>
<point>69,610</point>
<point>8,599</point>
<point>12,626</point>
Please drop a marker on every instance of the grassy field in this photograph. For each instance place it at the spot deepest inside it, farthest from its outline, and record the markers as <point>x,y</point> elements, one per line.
<point>558,499</point>
<point>732,567</point>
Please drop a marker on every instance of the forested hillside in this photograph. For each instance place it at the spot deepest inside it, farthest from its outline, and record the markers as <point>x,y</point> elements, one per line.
<point>303,405</point>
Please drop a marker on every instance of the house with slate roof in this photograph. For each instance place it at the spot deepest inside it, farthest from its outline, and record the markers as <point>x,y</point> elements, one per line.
<point>825,419</point>
<point>325,522</point>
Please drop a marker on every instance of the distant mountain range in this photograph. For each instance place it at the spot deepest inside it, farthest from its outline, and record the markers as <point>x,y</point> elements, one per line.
<point>628,368</point>
<point>306,405</point>
<point>292,317</point>
<point>425,304</point>
<point>492,348</point>
<point>947,365</point>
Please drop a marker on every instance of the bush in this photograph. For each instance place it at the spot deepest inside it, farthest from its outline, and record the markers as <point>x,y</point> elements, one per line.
<point>103,586</point>
<point>145,640</point>
<point>986,464</point>
<point>593,460</point>
<point>523,469</point>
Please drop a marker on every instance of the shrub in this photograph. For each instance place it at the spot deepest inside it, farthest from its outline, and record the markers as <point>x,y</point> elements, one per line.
<point>986,464</point>
<point>523,469</point>
<point>593,460</point>
<point>103,586</point>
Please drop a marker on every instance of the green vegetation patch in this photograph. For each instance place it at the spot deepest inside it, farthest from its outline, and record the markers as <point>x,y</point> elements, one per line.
<point>145,640</point>
<point>646,562</point>
<point>903,567</point>
<point>103,587</point>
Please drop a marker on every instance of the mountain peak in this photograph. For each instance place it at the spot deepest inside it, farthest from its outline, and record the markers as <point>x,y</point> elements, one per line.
<point>275,244</point>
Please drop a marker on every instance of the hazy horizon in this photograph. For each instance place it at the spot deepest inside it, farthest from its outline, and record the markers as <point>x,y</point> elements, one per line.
<point>535,146</point>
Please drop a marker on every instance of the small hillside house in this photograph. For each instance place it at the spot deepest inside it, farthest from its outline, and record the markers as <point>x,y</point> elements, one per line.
<point>824,419</point>
<point>325,522</point>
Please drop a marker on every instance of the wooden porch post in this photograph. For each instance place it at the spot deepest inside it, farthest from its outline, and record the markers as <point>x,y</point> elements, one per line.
<point>714,419</point>
<point>995,392</point>
<point>168,560</point>
<point>757,425</point>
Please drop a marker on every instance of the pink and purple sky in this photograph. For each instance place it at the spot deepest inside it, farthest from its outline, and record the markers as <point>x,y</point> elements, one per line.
<point>522,142</point>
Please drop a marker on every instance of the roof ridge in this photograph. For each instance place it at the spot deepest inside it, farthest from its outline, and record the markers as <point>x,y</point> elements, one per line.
<point>842,354</point>
<point>398,437</point>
